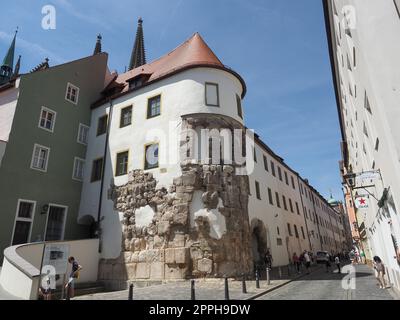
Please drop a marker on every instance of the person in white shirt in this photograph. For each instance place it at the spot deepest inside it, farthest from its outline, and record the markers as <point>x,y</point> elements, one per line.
<point>337,262</point>
<point>308,261</point>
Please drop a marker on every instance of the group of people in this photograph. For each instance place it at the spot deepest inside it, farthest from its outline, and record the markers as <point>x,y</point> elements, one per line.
<point>305,259</point>
<point>45,289</point>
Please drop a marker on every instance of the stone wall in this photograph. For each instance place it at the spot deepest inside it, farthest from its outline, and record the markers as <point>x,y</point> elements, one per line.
<point>177,243</point>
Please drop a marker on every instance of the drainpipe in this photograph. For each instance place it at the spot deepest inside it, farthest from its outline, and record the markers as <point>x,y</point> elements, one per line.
<point>102,174</point>
<point>302,209</point>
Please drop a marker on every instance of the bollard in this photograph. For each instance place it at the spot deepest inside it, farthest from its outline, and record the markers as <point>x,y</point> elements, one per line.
<point>130,296</point>
<point>244,289</point>
<point>226,289</point>
<point>257,280</point>
<point>192,291</point>
<point>280,272</point>
<point>268,278</point>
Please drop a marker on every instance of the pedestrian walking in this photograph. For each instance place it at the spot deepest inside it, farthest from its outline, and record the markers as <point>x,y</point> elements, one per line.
<point>307,259</point>
<point>327,262</point>
<point>380,272</point>
<point>45,289</point>
<point>296,262</point>
<point>337,262</point>
<point>75,271</point>
<point>268,259</point>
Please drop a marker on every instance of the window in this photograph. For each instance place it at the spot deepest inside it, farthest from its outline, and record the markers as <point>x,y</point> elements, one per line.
<point>273,169</point>
<point>212,94</point>
<point>121,166</point>
<point>154,107</point>
<point>83,134</point>
<point>294,187</point>
<point>126,117</point>
<point>284,202</point>
<point>377,144</point>
<point>365,129</point>
<point>354,57</point>
<point>23,222</point>
<point>279,173</point>
<point>297,208</point>
<point>397,4</point>
<point>289,229</point>
<point>279,242</point>
<point>296,232</point>
<point>239,106</point>
<point>151,156</point>
<point>302,233</point>
<point>97,170</point>
<point>47,119</point>
<point>255,154</point>
<point>79,164</point>
<point>271,201</point>
<point>102,125</point>
<point>291,205</point>
<point>367,104</point>
<point>265,163</point>
<point>72,94</point>
<point>258,191</point>
<point>278,231</point>
<point>278,203</point>
<point>40,158</point>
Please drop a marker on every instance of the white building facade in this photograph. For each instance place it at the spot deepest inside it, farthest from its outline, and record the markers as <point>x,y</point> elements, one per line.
<point>364,48</point>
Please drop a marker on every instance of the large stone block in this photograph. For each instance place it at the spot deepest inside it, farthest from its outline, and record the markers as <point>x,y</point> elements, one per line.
<point>131,271</point>
<point>157,270</point>
<point>205,265</point>
<point>142,271</point>
<point>174,272</point>
<point>170,256</point>
<point>181,255</point>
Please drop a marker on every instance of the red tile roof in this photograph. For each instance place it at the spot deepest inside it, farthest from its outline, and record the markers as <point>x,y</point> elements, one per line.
<point>193,53</point>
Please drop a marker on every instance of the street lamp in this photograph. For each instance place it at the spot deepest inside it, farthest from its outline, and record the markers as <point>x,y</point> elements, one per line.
<point>350,179</point>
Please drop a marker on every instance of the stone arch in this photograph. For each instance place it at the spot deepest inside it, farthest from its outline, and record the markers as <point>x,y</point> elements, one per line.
<point>259,240</point>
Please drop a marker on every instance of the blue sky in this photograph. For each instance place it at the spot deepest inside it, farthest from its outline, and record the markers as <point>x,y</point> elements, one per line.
<point>278,46</point>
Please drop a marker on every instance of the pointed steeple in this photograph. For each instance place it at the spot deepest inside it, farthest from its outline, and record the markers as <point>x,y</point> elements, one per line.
<point>138,57</point>
<point>6,69</point>
<point>97,48</point>
<point>17,67</point>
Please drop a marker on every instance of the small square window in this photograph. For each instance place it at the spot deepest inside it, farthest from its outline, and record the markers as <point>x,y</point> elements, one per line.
<point>126,117</point>
<point>212,94</point>
<point>83,134</point>
<point>122,163</point>
<point>97,170</point>
<point>151,156</point>
<point>154,107</point>
<point>79,165</point>
<point>47,119</point>
<point>72,94</point>
<point>40,158</point>
<point>102,125</point>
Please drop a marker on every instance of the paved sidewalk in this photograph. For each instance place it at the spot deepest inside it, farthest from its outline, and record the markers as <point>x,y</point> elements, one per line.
<point>206,289</point>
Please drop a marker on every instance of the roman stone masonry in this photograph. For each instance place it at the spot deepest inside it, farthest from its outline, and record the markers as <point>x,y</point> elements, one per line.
<point>199,227</point>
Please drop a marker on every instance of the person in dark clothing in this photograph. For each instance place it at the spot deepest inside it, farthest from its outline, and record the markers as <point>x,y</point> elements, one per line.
<point>268,259</point>
<point>75,270</point>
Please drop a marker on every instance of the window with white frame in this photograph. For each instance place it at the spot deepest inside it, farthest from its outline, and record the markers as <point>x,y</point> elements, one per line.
<point>72,94</point>
<point>79,164</point>
<point>23,222</point>
<point>40,158</point>
<point>47,119</point>
<point>83,134</point>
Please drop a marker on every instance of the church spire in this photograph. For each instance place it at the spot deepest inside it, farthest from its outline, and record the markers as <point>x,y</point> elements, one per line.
<point>6,69</point>
<point>138,57</point>
<point>17,67</point>
<point>97,48</point>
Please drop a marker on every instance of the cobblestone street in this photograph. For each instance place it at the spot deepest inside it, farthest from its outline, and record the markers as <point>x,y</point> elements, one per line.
<point>321,285</point>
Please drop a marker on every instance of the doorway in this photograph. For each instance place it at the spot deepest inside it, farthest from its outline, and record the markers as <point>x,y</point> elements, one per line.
<point>55,225</point>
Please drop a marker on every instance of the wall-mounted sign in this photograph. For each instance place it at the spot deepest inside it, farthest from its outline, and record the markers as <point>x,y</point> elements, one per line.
<point>362,202</point>
<point>56,255</point>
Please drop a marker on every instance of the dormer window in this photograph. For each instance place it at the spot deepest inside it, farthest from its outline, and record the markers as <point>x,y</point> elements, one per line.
<point>135,83</point>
